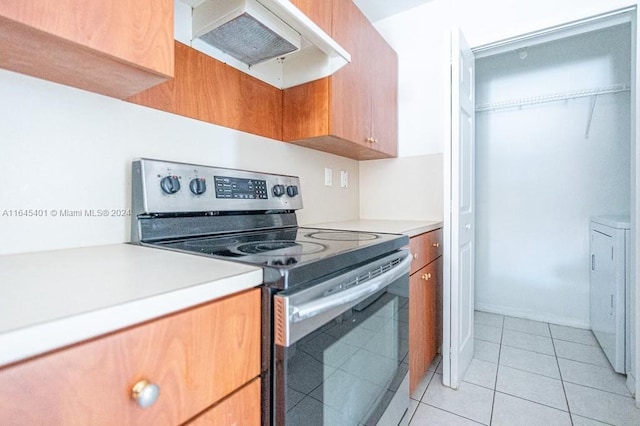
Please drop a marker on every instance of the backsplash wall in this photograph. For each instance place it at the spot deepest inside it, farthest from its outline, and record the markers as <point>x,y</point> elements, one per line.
<point>64,151</point>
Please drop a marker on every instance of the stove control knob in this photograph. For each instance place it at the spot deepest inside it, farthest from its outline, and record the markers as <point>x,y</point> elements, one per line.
<point>292,191</point>
<point>170,184</point>
<point>278,190</point>
<point>198,186</point>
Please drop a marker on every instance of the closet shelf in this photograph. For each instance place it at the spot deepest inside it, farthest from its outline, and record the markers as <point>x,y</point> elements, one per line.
<point>517,103</point>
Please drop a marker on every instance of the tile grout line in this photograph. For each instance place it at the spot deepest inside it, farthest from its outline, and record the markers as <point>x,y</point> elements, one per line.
<point>598,389</point>
<point>573,341</point>
<point>525,349</point>
<point>583,362</point>
<point>532,372</point>
<point>495,381</point>
<point>564,390</point>
<point>533,402</point>
<point>424,393</point>
<point>451,412</point>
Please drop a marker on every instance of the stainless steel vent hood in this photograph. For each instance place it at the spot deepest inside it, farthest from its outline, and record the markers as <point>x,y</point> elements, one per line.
<point>271,40</point>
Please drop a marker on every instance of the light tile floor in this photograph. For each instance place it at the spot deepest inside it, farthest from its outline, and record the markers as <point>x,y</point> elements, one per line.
<point>527,373</point>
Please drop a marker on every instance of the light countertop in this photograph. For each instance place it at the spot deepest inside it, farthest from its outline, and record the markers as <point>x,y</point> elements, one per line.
<point>410,228</point>
<point>52,299</point>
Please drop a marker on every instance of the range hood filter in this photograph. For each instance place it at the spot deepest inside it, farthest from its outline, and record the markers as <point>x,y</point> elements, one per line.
<point>271,40</point>
<point>245,30</point>
<point>248,40</point>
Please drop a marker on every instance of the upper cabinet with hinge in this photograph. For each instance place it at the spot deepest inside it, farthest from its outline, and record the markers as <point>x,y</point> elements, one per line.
<point>115,48</point>
<point>353,113</point>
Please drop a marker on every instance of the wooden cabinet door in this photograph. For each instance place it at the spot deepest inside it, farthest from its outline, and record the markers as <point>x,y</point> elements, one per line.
<point>117,48</point>
<point>320,12</point>
<point>423,340</point>
<point>384,100</point>
<point>196,357</point>
<point>350,92</point>
<point>345,113</point>
<point>212,91</point>
<point>241,409</point>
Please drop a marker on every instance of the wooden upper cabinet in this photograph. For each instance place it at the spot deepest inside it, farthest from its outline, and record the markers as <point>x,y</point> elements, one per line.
<point>116,48</point>
<point>352,113</point>
<point>212,91</point>
<point>319,11</point>
<point>384,99</point>
<point>351,97</point>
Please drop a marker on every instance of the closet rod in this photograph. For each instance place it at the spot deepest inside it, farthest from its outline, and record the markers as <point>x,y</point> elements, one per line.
<point>616,88</point>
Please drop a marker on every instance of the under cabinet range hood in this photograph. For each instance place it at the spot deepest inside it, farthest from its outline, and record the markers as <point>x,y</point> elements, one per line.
<point>245,30</point>
<point>271,40</point>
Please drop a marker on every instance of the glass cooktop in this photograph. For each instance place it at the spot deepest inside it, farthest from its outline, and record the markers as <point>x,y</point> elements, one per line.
<point>293,255</point>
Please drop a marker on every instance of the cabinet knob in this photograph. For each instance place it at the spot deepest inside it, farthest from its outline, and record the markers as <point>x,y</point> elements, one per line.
<point>145,393</point>
<point>436,244</point>
<point>371,139</point>
<point>415,255</point>
<point>426,276</point>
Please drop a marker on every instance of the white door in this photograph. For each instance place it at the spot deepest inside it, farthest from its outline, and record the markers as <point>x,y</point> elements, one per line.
<point>459,216</point>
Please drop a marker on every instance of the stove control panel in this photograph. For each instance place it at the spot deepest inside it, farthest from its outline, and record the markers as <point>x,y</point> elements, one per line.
<point>239,188</point>
<point>169,187</point>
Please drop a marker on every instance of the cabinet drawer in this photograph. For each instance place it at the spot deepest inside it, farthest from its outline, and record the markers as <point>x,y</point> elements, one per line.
<point>196,357</point>
<point>241,408</point>
<point>425,249</point>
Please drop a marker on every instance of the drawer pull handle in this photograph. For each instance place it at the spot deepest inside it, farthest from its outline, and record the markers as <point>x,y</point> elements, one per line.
<point>426,276</point>
<point>145,393</point>
<point>436,245</point>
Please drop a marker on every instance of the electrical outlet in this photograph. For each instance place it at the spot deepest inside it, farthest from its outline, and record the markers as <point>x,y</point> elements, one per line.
<point>344,179</point>
<point>328,177</point>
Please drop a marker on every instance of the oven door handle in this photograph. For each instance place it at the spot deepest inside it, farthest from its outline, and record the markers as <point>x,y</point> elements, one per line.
<point>316,307</point>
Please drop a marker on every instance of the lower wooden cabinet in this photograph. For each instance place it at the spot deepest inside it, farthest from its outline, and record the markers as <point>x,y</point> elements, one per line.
<point>196,357</point>
<point>425,318</point>
<point>241,409</point>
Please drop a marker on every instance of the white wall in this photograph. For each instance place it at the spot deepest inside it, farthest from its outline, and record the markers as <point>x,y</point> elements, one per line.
<point>63,148</point>
<point>539,178</point>
<point>408,188</point>
<point>420,36</point>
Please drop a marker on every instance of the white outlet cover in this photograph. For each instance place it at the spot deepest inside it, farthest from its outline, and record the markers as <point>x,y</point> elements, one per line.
<point>344,179</point>
<point>328,177</point>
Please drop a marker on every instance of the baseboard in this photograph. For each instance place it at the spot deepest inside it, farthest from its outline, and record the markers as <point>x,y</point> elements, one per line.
<point>531,315</point>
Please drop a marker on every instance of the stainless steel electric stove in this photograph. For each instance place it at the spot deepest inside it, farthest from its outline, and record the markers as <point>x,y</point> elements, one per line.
<point>333,300</point>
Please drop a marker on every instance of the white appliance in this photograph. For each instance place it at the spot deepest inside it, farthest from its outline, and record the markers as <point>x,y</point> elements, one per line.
<point>271,40</point>
<point>609,242</point>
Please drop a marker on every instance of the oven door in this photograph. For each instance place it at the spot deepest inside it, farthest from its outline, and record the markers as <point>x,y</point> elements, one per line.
<point>340,353</point>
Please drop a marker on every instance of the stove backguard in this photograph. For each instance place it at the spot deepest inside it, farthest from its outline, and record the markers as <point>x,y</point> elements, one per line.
<point>229,200</point>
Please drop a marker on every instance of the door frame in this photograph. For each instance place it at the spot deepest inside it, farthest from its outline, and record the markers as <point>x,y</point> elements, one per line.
<point>562,30</point>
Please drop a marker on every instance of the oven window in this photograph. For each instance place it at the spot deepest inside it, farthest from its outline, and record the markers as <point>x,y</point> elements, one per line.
<point>348,371</point>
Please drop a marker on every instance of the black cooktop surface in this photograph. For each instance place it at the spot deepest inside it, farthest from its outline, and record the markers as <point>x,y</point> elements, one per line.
<point>291,256</point>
